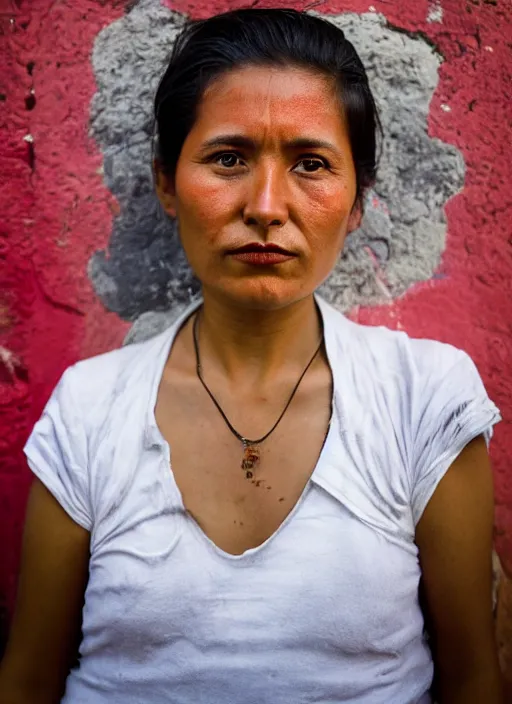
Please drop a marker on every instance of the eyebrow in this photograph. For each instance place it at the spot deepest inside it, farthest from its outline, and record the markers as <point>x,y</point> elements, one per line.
<point>237,140</point>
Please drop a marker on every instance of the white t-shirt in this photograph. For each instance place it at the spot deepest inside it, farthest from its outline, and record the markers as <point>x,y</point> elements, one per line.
<point>326,610</point>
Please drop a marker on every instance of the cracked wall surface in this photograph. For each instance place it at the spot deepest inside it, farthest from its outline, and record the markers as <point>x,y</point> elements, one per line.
<point>434,255</point>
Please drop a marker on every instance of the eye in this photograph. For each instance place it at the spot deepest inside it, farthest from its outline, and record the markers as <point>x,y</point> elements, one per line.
<point>227,159</point>
<point>311,164</point>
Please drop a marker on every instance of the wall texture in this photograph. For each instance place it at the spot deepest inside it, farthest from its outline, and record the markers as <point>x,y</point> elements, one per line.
<point>87,261</point>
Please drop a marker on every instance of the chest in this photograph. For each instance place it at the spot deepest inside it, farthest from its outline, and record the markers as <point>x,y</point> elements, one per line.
<point>237,507</point>
<point>325,580</point>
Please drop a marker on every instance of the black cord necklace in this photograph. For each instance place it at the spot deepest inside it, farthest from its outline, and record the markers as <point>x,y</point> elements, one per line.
<point>251,453</point>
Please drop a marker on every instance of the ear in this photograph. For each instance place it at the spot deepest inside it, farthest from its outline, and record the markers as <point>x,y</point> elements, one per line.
<point>354,221</point>
<point>165,190</point>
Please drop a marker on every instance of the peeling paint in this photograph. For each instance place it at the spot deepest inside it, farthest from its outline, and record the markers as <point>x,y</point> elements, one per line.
<point>435,12</point>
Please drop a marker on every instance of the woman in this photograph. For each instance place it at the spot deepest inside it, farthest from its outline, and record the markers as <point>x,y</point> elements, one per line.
<point>249,500</point>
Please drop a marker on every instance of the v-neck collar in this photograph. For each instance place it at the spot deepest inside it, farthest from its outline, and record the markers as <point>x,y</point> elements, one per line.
<point>331,319</point>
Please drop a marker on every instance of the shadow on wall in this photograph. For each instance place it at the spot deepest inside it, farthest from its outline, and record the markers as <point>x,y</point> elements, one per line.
<point>144,276</point>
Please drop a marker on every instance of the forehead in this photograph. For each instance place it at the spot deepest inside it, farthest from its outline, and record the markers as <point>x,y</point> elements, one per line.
<point>279,99</point>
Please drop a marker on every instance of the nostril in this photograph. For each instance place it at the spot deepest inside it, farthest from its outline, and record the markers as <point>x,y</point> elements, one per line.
<point>263,222</point>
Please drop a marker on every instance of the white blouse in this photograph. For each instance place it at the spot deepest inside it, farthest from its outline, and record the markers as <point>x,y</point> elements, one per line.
<point>326,610</point>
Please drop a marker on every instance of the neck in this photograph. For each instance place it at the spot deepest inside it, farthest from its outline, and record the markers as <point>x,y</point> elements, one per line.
<point>254,346</point>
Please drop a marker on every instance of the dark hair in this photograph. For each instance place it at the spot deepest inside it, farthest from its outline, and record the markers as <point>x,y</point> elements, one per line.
<point>206,49</point>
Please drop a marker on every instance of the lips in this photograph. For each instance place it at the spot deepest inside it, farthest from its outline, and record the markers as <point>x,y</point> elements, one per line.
<point>257,247</point>
<point>270,255</point>
<point>265,255</point>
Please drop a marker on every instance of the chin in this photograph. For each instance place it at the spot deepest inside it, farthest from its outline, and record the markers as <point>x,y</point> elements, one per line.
<point>262,293</point>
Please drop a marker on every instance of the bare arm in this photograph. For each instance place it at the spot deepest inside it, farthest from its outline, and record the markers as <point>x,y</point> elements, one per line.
<point>46,623</point>
<point>454,537</point>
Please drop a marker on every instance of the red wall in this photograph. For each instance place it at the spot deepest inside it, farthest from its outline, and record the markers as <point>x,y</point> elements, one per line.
<point>55,212</point>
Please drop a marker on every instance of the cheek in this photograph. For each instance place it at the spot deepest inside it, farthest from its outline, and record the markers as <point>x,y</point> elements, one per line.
<point>201,198</point>
<point>329,210</point>
<point>327,224</point>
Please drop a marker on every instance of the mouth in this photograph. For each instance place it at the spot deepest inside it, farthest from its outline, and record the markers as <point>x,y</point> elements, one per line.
<point>261,254</point>
<point>257,247</point>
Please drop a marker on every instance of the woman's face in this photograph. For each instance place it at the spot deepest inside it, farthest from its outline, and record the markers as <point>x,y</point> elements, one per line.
<point>267,162</point>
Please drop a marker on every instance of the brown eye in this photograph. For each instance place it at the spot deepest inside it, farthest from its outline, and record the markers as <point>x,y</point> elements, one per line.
<point>228,160</point>
<point>311,165</point>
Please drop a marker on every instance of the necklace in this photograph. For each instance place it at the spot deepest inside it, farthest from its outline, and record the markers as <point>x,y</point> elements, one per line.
<point>251,453</point>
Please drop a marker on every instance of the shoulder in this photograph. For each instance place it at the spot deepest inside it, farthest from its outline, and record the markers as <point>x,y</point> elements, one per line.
<point>98,394</point>
<point>91,386</point>
<point>415,404</point>
<point>384,352</point>
<point>423,384</point>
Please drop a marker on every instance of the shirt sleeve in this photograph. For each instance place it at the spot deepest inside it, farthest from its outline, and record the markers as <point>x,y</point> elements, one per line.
<point>56,452</point>
<point>452,408</point>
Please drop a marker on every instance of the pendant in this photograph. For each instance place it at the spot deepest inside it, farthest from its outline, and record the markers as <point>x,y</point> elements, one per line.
<point>250,460</point>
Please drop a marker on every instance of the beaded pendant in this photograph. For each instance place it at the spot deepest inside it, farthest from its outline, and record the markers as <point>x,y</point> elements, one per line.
<point>250,459</point>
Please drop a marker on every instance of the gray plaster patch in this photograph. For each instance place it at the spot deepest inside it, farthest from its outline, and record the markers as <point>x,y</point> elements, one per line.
<point>403,232</point>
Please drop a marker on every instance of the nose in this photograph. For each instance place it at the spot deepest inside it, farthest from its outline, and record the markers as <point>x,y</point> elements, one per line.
<point>266,202</point>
